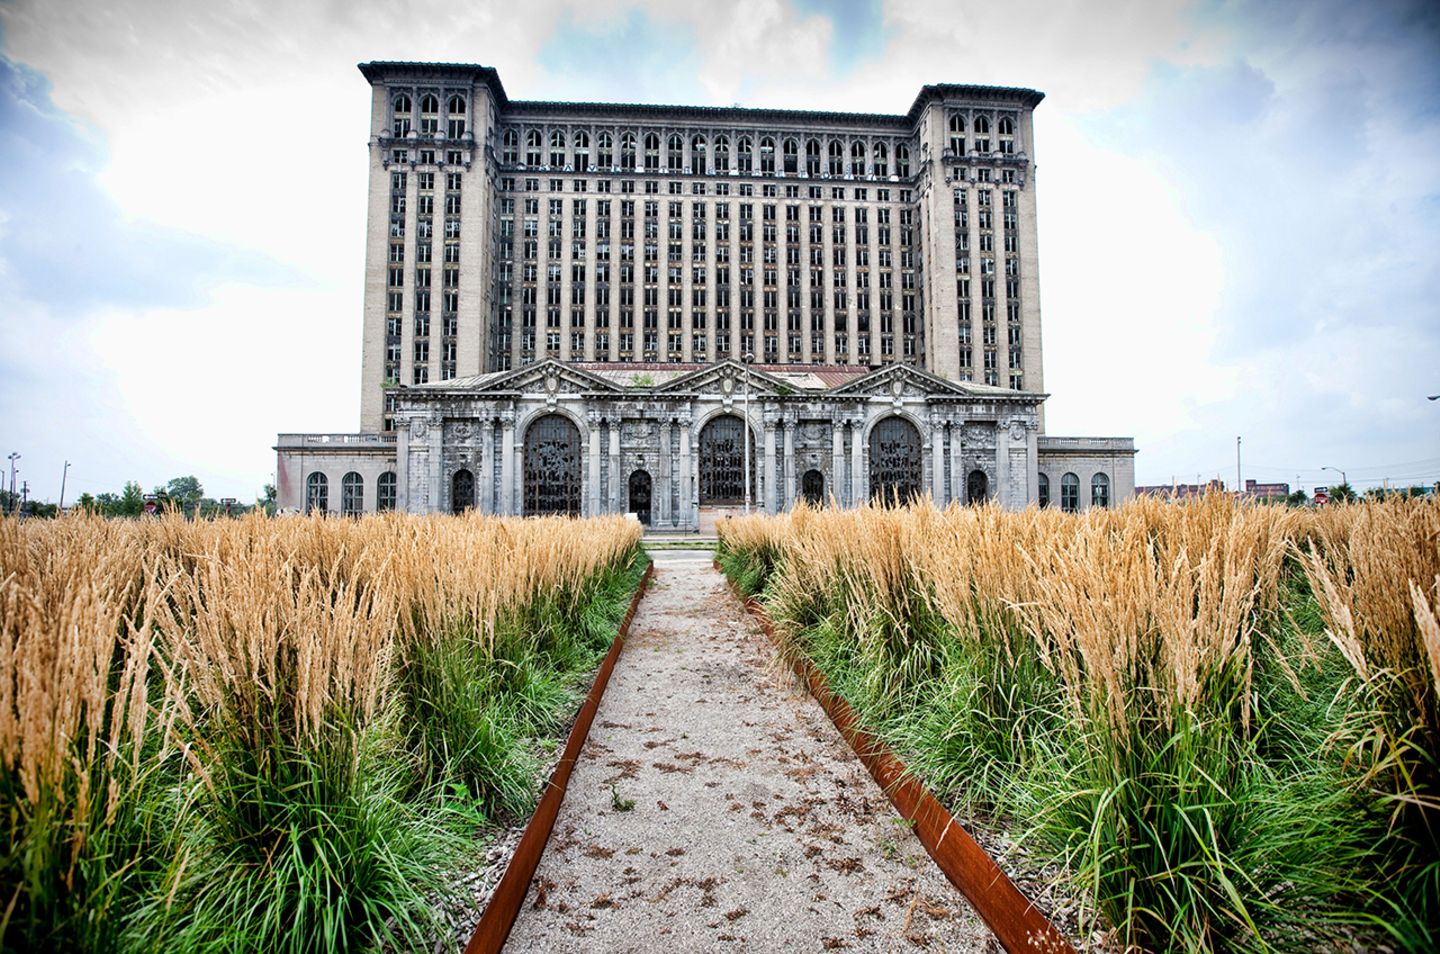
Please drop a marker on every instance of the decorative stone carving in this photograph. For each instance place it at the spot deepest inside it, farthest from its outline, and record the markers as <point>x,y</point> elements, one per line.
<point>1017,430</point>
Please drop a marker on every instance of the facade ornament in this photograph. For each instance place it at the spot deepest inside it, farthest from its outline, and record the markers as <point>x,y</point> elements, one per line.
<point>419,428</point>
<point>1017,430</point>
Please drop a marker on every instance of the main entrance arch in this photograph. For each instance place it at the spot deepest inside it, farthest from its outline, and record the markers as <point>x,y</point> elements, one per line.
<point>894,461</point>
<point>722,462</point>
<point>640,496</point>
<point>812,488</point>
<point>552,476</point>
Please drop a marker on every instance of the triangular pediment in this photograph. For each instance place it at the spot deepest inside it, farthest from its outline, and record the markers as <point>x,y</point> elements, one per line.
<point>901,380</point>
<point>549,377</point>
<point>726,378</point>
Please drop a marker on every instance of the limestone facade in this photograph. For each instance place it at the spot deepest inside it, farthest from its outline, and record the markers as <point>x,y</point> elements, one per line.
<point>567,303</point>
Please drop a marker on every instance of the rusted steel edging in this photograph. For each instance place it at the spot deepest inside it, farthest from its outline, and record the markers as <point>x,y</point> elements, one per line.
<point>1018,925</point>
<point>504,906</point>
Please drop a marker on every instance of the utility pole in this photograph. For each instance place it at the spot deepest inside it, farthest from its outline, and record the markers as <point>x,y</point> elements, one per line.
<point>1239,484</point>
<point>63,474</point>
<point>14,456</point>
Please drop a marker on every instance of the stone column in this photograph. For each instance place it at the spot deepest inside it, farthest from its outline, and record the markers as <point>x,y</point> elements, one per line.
<point>485,480</point>
<point>402,470</point>
<point>857,461</point>
<point>662,484</point>
<point>837,457</point>
<point>957,461</point>
<point>937,461</point>
<point>1001,491</point>
<point>508,498</point>
<point>768,480</point>
<point>592,420</point>
<point>437,460</point>
<point>687,493</point>
<point>616,505</point>
<point>789,464</point>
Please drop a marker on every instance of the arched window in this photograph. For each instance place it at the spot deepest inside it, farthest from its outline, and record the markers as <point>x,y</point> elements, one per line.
<point>462,491</point>
<point>982,135</point>
<point>812,156</point>
<point>455,117</point>
<point>400,110</point>
<point>557,148</point>
<point>385,492</point>
<point>722,462</point>
<point>352,494</point>
<point>812,488</point>
<point>857,159</point>
<point>957,134</point>
<point>837,158</point>
<point>627,151</point>
<point>604,151</point>
<point>697,155</point>
<point>675,153</point>
<point>317,493</point>
<point>640,496</point>
<point>1069,493</point>
<point>582,150</point>
<point>1007,126</point>
<point>745,159</point>
<point>652,152</point>
<point>552,466</point>
<point>510,147</point>
<point>722,153</point>
<point>1100,491</point>
<point>1007,135</point>
<point>429,114</point>
<point>532,148</point>
<point>902,160</point>
<point>767,156</point>
<point>791,149</point>
<point>894,461</point>
<point>977,487</point>
<point>882,159</point>
<point>1044,489</point>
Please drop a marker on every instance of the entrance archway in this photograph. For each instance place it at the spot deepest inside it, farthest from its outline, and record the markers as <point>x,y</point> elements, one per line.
<point>552,466</point>
<point>722,462</point>
<point>894,461</point>
<point>640,496</point>
<point>977,487</point>
<point>462,491</point>
<point>812,487</point>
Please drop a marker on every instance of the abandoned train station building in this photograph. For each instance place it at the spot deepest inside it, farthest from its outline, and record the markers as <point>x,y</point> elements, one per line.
<point>589,308</point>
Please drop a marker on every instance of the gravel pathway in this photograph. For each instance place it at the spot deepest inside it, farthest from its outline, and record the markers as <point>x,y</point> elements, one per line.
<point>715,808</point>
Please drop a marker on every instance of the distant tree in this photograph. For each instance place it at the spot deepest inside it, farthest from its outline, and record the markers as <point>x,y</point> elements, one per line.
<point>266,500</point>
<point>1298,498</point>
<point>34,508</point>
<point>87,503</point>
<point>1343,493</point>
<point>186,492</point>
<point>132,501</point>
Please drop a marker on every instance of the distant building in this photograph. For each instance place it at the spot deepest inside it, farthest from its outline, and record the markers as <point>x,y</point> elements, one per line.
<point>591,307</point>
<point>1252,491</point>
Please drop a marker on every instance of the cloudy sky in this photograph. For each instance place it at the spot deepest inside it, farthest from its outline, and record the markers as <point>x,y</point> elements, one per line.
<point>1239,207</point>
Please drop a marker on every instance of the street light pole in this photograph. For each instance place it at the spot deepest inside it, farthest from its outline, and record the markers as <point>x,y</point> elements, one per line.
<point>14,456</point>
<point>63,474</point>
<point>1343,479</point>
<point>745,431</point>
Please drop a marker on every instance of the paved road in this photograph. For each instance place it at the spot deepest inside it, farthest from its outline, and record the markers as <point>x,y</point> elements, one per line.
<point>715,808</point>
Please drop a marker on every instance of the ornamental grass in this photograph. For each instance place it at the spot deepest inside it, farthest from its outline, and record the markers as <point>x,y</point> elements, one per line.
<point>1219,718</point>
<point>213,735</point>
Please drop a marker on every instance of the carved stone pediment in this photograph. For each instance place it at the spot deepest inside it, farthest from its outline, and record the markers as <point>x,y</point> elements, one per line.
<point>549,377</point>
<point>726,379</point>
<point>898,381</point>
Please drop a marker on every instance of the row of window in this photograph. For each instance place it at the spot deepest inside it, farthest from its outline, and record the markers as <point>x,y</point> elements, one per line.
<point>769,190</point>
<point>701,155</point>
<point>1070,491</point>
<point>352,493</point>
<point>981,141</point>
<point>405,118</point>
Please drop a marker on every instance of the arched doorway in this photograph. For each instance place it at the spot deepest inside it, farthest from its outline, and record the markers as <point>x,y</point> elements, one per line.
<point>462,491</point>
<point>552,466</point>
<point>894,461</point>
<point>977,487</point>
<point>812,487</point>
<point>640,496</point>
<point>722,462</point>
